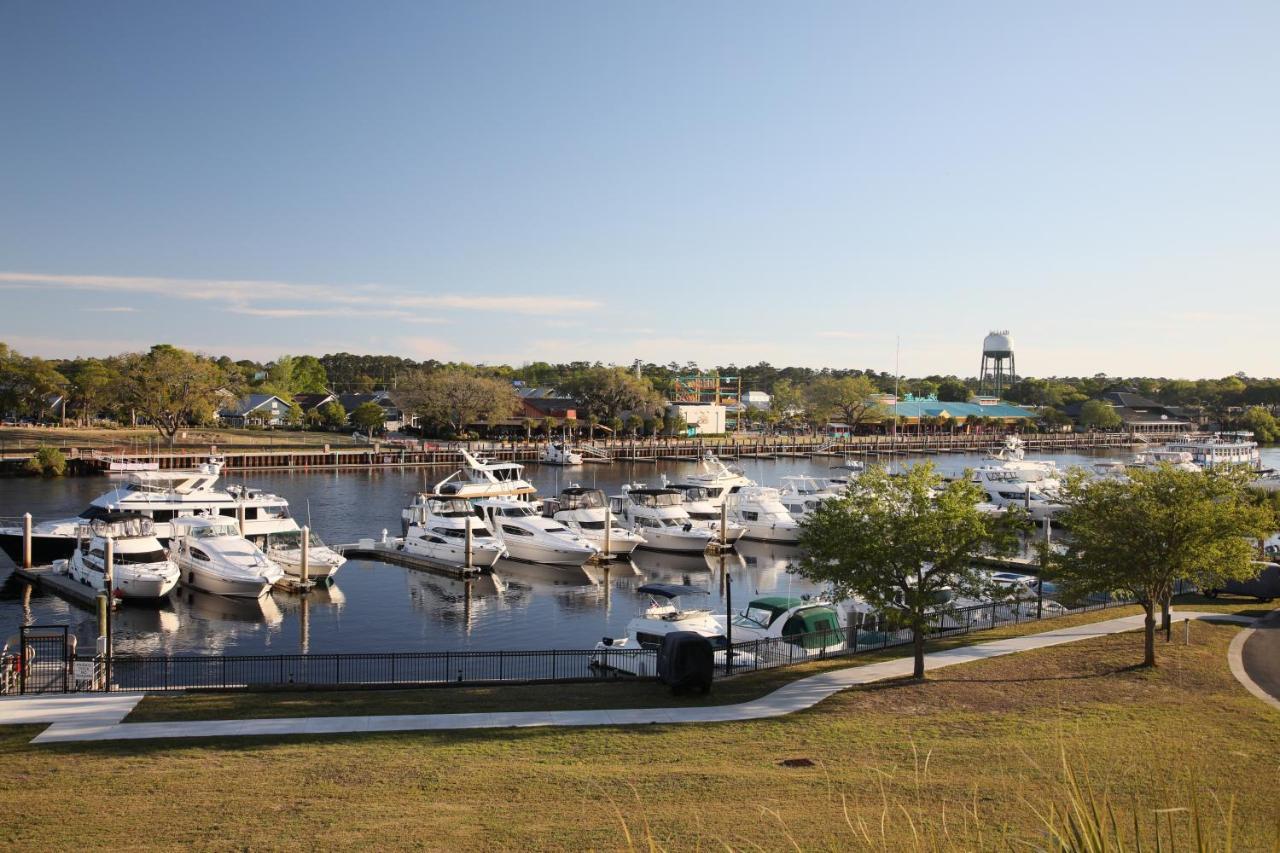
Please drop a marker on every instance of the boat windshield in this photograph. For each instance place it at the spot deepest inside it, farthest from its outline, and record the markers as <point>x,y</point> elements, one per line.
<point>214,531</point>
<point>450,509</point>
<point>695,493</point>
<point>517,512</point>
<point>592,499</point>
<point>755,617</point>
<point>656,499</point>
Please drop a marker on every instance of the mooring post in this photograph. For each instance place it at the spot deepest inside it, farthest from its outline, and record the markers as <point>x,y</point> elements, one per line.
<point>26,540</point>
<point>1186,632</point>
<point>469,559</point>
<point>109,577</point>
<point>724,522</point>
<point>608,524</point>
<point>728,618</point>
<point>306,554</point>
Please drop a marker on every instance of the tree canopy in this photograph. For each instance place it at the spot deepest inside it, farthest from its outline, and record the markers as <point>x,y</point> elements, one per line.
<point>851,398</point>
<point>173,388</point>
<point>456,398</point>
<point>1097,414</point>
<point>611,392</point>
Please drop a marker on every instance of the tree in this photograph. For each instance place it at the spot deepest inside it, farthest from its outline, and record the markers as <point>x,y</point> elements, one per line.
<point>1096,414</point>
<point>295,416</point>
<point>369,417</point>
<point>786,398</point>
<point>611,392</point>
<point>92,382</point>
<point>634,423</point>
<point>456,398</point>
<point>549,425</point>
<point>890,542</point>
<point>952,390</point>
<point>309,376</point>
<point>852,398</point>
<point>1141,534</point>
<point>171,387</point>
<point>333,414</point>
<point>1261,423</point>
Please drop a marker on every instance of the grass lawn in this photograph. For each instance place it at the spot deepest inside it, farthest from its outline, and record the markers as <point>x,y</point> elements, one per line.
<point>961,761</point>
<point>13,439</point>
<point>229,705</point>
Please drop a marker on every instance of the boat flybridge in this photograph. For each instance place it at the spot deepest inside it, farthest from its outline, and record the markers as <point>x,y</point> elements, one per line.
<point>140,568</point>
<point>719,480</point>
<point>659,516</point>
<point>586,513</point>
<point>531,537</point>
<point>161,496</point>
<point>760,510</point>
<point>484,479</point>
<point>559,453</point>
<point>661,615</point>
<point>214,557</point>
<point>697,503</point>
<point>437,531</point>
<point>802,494</point>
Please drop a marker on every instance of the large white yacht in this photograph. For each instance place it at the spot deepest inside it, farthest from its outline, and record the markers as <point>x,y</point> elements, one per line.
<point>660,517</point>
<point>704,513</point>
<point>140,568</point>
<point>1220,449</point>
<point>285,549</point>
<point>760,510</point>
<point>437,531</point>
<point>1179,459</point>
<point>802,494</point>
<point>484,479</point>
<point>531,537</point>
<point>719,479</point>
<point>661,615</point>
<point>1006,489</point>
<point>214,557</point>
<point>586,512</point>
<point>559,453</point>
<point>160,496</point>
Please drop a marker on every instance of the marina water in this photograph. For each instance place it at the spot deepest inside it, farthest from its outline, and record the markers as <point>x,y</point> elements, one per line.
<point>375,607</point>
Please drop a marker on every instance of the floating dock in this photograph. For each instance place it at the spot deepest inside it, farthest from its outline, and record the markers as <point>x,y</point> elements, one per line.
<point>46,577</point>
<point>390,551</point>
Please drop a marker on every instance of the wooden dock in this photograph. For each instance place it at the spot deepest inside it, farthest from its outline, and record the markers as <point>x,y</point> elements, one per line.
<point>390,552</point>
<point>45,577</point>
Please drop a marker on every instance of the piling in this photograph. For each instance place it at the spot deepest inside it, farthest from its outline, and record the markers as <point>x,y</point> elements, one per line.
<point>728,618</point>
<point>470,562</point>
<point>724,523</point>
<point>608,524</point>
<point>26,540</point>
<point>306,554</point>
<point>109,583</point>
<point>102,615</point>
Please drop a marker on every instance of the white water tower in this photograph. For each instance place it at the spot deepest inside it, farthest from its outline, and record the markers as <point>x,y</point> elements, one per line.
<point>998,371</point>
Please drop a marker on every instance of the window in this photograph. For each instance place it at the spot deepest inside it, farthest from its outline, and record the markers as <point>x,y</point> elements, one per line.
<point>197,554</point>
<point>556,530</point>
<point>164,514</point>
<point>649,641</point>
<point>515,531</point>
<point>157,556</point>
<point>750,516</point>
<point>250,513</point>
<point>591,525</point>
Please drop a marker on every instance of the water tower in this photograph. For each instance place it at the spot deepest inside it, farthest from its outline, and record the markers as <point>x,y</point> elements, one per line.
<point>998,371</point>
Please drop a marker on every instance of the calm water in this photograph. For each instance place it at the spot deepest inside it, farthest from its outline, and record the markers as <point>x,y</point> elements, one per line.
<point>376,607</point>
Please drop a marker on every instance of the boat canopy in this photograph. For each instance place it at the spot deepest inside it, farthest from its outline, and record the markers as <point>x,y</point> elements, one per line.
<point>576,497</point>
<point>671,590</point>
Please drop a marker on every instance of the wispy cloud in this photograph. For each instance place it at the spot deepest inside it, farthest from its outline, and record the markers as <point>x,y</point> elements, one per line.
<point>113,309</point>
<point>368,313</point>
<point>247,296</point>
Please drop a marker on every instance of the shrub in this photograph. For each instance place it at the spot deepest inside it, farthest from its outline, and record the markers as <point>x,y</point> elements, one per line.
<point>48,462</point>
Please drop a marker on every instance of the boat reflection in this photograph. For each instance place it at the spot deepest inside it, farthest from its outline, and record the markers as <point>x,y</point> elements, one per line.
<point>655,564</point>
<point>539,573</point>
<point>456,601</point>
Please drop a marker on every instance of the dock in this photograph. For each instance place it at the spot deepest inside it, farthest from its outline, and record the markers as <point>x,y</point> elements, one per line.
<point>389,551</point>
<point>45,577</point>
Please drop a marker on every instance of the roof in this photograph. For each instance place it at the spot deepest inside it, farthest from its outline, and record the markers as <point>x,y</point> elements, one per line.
<point>671,590</point>
<point>310,401</point>
<point>543,393</point>
<point>777,603</point>
<point>250,403</point>
<point>938,408</point>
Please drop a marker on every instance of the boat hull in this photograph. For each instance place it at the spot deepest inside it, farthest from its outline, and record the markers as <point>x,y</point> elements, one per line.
<point>44,548</point>
<point>676,543</point>
<point>550,555</point>
<point>219,584</point>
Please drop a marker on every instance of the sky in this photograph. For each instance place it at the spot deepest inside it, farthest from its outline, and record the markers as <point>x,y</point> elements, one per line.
<point>825,184</point>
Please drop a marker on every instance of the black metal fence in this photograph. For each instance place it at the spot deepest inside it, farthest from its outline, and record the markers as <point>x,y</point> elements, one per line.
<point>867,632</point>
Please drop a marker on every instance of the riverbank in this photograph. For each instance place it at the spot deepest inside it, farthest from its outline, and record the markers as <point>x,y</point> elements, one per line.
<point>823,778</point>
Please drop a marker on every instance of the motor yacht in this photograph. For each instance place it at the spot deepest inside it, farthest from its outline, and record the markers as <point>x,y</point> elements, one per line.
<point>812,626</point>
<point>214,557</point>
<point>285,550</point>
<point>697,503</point>
<point>718,479</point>
<point>531,537</point>
<point>760,510</point>
<point>1220,449</point>
<point>484,479</point>
<point>802,494</point>
<point>659,516</point>
<point>1110,469</point>
<point>586,512</point>
<point>559,453</point>
<point>160,496</point>
<point>140,568</point>
<point>1179,459</point>
<point>438,528</point>
<point>1006,489</point>
<point>662,614</point>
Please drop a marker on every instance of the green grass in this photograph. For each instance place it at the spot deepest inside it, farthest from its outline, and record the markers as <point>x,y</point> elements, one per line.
<point>962,761</point>
<point>227,705</point>
<point>16,439</point>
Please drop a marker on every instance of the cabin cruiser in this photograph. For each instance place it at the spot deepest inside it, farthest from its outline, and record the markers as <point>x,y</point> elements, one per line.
<point>559,453</point>
<point>813,626</point>
<point>531,537</point>
<point>1179,459</point>
<point>1110,469</point>
<point>160,496</point>
<point>438,528</point>
<point>719,479</point>
<point>140,568</point>
<point>484,479</point>
<point>285,550</point>
<point>697,503</point>
<point>1007,489</point>
<point>586,513</point>
<point>802,494</point>
<point>214,557</point>
<point>659,516</point>
<point>662,615</point>
<point>760,510</point>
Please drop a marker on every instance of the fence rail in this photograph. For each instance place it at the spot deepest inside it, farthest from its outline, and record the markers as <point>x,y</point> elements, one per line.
<point>415,669</point>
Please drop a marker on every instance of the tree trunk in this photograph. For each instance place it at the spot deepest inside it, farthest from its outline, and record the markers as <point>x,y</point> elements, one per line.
<point>1149,625</point>
<point>917,647</point>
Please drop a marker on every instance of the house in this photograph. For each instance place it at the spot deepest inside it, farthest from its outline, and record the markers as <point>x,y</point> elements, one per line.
<point>918,412</point>
<point>1140,414</point>
<point>757,400</point>
<point>312,402</point>
<point>393,418</point>
<point>539,403</point>
<point>256,410</point>
<point>701,418</point>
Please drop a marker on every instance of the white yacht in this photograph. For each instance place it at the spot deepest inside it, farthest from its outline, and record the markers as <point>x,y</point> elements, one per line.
<point>812,626</point>
<point>140,568</point>
<point>719,480</point>
<point>1220,449</point>
<point>586,512</point>
<point>438,532</point>
<point>214,557</point>
<point>484,479</point>
<point>1110,469</point>
<point>1180,459</point>
<point>160,496</point>
<point>704,513</point>
<point>660,517</point>
<point>662,615</point>
<point>761,512</point>
<point>1006,489</point>
<point>559,453</point>
<point>531,537</point>
<point>285,550</point>
<point>802,494</point>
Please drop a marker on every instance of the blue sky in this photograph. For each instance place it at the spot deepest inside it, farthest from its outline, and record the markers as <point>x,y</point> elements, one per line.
<point>719,182</point>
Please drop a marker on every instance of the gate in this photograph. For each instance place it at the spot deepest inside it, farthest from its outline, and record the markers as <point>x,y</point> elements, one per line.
<point>43,659</point>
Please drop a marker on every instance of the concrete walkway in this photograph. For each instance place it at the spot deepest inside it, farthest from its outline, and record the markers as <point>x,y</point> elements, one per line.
<point>796,696</point>
<point>1255,659</point>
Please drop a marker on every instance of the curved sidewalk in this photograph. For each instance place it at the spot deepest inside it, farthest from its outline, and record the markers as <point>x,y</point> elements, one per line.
<point>796,696</point>
<point>1255,659</point>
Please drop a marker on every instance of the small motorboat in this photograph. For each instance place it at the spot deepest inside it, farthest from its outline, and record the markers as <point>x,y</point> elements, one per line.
<point>559,453</point>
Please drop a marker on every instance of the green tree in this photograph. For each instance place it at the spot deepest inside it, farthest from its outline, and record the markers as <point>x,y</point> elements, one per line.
<point>1095,414</point>
<point>309,376</point>
<point>171,387</point>
<point>787,397</point>
<point>1261,423</point>
<point>634,423</point>
<point>333,414</point>
<point>92,383</point>
<point>549,425</point>
<point>369,417</point>
<point>952,390</point>
<point>456,398</point>
<point>611,392</point>
<point>1141,534</point>
<point>48,462</point>
<point>295,417</point>
<point>895,545</point>
<point>851,398</point>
